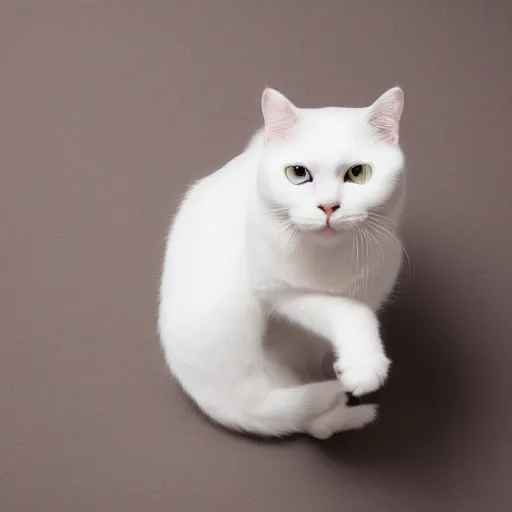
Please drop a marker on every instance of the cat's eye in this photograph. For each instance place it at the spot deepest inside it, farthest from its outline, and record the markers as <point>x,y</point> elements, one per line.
<point>359,174</point>
<point>298,174</point>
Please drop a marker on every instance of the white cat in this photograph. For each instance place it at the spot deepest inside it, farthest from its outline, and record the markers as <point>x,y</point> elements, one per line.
<point>301,225</point>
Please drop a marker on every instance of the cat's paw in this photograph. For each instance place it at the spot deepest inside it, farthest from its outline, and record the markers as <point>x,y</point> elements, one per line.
<point>342,418</point>
<point>364,376</point>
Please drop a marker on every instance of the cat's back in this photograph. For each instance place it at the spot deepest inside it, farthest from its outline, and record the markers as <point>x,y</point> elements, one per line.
<point>205,276</point>
<point>207,237</point>
<point>217,203</point>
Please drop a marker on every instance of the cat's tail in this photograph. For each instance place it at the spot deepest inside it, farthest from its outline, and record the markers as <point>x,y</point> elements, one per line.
<point>318,409</point>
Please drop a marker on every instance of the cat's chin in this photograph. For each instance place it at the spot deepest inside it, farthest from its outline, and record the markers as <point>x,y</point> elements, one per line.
<point>327,231</point>
<point>328,235</point>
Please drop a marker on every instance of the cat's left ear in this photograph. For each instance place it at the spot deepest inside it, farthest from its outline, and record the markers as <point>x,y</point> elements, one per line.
<point>384,114</point>
<point>279,114</point>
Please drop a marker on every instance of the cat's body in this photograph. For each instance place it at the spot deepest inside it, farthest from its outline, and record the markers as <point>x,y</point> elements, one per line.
<point>248,243</point>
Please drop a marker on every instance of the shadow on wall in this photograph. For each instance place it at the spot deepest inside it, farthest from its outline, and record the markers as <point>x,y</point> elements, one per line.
<point>424,403</point>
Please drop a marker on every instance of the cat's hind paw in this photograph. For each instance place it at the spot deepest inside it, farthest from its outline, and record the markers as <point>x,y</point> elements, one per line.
<point>342,418</point>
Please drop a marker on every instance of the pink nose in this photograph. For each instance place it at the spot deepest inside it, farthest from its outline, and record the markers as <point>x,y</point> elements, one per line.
<point>329,209</point>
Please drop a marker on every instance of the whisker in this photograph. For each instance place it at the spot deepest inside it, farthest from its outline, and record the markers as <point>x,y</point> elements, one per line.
<point>363,260</point>
<point>362,282</point>
<point>375,239</point>
<point>371,275</point>
<point>288,234</point>
<point>352,250</point>
<point>391,234</point>
<point>397,238</point>
<point>382,217</point>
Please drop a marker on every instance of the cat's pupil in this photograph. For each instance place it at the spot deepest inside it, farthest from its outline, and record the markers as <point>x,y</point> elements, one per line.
<point>356,171</point>
<point>300,171</point>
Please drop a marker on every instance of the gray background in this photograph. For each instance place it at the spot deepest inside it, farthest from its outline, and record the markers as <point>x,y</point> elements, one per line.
<point>107,111</point>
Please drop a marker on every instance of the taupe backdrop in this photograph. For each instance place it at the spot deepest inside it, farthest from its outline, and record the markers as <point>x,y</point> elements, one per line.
<point>108,110</point>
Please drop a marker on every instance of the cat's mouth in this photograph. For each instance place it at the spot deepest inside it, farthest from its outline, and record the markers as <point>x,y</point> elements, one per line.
<point>326,227</point>
<point>344,224</point>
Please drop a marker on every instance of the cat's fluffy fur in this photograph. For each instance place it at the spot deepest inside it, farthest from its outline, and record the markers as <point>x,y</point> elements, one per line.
<point>247,243</point>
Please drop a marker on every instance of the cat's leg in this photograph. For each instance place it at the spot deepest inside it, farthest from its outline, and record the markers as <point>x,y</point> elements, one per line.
<point>353,329</point>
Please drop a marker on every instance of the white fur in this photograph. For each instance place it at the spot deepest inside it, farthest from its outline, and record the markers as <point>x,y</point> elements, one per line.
<point>246,244</point>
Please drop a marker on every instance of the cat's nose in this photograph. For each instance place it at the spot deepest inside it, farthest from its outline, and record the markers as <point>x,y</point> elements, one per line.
<point>328,209</point>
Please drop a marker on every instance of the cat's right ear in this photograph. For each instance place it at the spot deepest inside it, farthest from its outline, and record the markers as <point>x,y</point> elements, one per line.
<point>279,114</point>
<point>385,114</point>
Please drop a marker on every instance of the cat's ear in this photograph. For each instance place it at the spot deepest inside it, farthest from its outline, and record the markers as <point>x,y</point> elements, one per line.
<point>279,114</point>
<point>384,114</point>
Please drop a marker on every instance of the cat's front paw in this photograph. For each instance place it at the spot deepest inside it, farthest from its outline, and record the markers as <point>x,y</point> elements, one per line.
<point>362,376</point>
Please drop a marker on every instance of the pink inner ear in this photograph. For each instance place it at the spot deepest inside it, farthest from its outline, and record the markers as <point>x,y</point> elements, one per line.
<point>279,114</point>
<point>385,114</point>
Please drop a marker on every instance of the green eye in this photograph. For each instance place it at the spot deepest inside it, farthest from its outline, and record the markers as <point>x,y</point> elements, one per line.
<point>359,174</point>
<point>298,174</point>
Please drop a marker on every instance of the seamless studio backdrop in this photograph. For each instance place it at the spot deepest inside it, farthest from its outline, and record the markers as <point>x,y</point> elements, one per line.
<point>108,111</point>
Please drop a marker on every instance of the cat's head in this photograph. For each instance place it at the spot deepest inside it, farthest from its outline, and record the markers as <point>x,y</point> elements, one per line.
<point>326,169</point>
